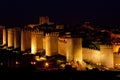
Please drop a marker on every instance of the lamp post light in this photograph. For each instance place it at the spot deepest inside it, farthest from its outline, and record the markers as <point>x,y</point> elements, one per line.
<point>46,64</point>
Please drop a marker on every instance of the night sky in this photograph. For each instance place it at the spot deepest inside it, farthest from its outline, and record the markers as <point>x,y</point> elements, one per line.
<point>101,12</point>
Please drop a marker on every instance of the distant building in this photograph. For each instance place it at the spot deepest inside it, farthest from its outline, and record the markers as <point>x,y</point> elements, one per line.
<point>44,20</point>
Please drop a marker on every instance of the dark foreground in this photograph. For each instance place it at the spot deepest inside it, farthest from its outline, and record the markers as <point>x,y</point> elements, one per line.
<point>58,75</point>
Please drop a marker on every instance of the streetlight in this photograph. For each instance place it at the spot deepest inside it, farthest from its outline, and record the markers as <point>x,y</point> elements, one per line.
<point>16,62</point>
<point>33,62</point>
<point>46,64</point>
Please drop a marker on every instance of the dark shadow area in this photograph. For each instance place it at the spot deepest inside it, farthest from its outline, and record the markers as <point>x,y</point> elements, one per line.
<point>23,74</point>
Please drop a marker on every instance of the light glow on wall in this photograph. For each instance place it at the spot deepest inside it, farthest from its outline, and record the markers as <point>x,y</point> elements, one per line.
<point>116,48</point>
<point>37,58</point>
<point>69,52</point>
<point>36,41</point>
<point>4,37</point>
<point>78,49</point>
<point>33,45</point>
<point>10,37</point>
<point>74,49</point>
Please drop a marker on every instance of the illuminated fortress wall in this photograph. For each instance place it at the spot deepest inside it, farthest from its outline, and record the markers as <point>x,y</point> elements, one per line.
<point>116,50</point>
<point>17,37</point>
<point>25,40</point>
<point>36,41</point>
<point>4,36</point>
<point>77,49</point>
<point>107,58</point>
<point>117,60</point>
<point>104,56</point>
<point>69,50</point>
<point>10,37</point>
<point>116,47</point>
<point>62,47</point>
<point>91,55</point>
<point>44,43</point>
<point>51,43</point>
<point>69,47</point>
<point>74,49</point>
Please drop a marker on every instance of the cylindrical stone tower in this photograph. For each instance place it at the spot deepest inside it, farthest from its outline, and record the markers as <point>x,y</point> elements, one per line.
<point>25,40</point>
<point>4,36</point>
<point>51,43</point>
<point>44,43</point>
<point>74,49</point>
<point>17,37</point>
<point>10,37</point>
<point>36,41</point>
<point>78,49</point>
<point>107,56</point>
<point>69,52</point>
<point>117,60</point>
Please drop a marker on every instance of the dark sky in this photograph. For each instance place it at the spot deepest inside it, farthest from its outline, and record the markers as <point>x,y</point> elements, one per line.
<point>102,12</point>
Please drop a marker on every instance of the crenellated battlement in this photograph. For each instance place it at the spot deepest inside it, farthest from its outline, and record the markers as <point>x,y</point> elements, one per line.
<point>106,46</point>
<point>38,32</point>
<point>16,29</point>
<point>26,30</point>
<point>10,29</point>
<point>107,55</point>
<point>70,44</point>
<point>117,43</point>
<point>90,49</point>
<point>53,34</point>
